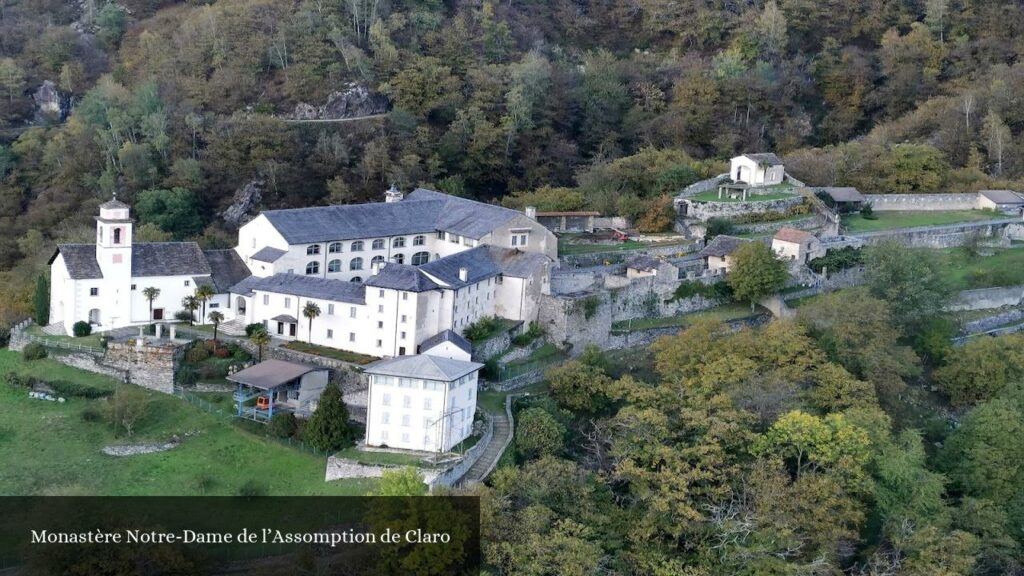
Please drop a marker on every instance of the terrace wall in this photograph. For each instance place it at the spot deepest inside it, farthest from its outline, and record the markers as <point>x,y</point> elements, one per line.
<point>728,210</point>
<point>922,202</point>
<point>946,236</point>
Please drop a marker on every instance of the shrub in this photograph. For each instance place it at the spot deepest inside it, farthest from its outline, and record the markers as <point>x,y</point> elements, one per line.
<point>482,329</point>
<point>838,259</point>
<point>196,354</point>
<point>184,316</point>
<point>589,306</point>
<point>34,351</point>
<point>532,333</point>
<point>81,328</point>
<point>222,353</point>
<point>251,489</point>
<point>867,212</point>
<point>253,328</point>
<point>212,371</point>
<point>18,380</point>
<point>75,389</point>
<point>90,414</point>
<point>187,375</point>
<point>283,425</point>
<point>718,226</point>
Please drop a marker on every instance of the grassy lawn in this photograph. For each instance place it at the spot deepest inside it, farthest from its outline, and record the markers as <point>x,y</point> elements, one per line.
<point>1003,267</point>
<point>92,341</point>
<point>566,248</point>
<point>546,352</point>
<point>719,313</point>
<point>889,220</point>
<point>47,448</point>
<point>712,196</point>
<point>384,458</point>
<point>343,355</point>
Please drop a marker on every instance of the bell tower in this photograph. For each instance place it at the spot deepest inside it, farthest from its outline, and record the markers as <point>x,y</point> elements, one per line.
<point>114,256</point>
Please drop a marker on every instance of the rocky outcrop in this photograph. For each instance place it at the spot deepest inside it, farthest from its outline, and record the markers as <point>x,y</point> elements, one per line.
<point>244,203</point>
<point>52,105</point>
<point>354,101</point>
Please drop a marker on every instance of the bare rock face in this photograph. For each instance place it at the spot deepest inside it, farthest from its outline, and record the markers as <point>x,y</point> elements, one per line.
<point>51,104</point>
<point>354,101</point>
<point>244,203</point>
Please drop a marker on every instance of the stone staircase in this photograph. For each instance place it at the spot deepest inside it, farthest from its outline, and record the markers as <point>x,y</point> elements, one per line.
<point>502,437</point>
<point>234,327</point>
<point>55,329</point>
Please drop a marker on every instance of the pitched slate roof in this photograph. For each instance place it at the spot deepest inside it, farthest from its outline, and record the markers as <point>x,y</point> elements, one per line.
<point>272,373</point>
<point>422,211</point>
<point>285,318</point>
<point>80,260</point>
<point>643,262</point>
<point>447,336</point>
<point>168,259</point>
<point>401,277</point>
<point>423,366</point>
<point>268,254</point>
<point>516,263</point>
<point>793,235</point>
<point>226,268</point>
<point>1003,196</point>
<point>843,194</point>
<point>305,286</point>
<point>113,204</point>
<point>477,261</point>
<point>722,246</point>
<point>765,158</point>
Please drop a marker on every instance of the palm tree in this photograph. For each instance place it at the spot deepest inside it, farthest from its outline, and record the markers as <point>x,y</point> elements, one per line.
<point>260,338</point>
<point>190,303</point>
<point>216,316</point>
<point>204,292</point>
<point>151,293</point>
<point>311,311</point>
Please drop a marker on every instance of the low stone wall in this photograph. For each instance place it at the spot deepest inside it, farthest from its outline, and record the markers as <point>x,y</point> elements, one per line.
<point>922,202</point>
<point>807,223</point>
<point>994,321</point>
<point>496,344</point>
<point>705,211</point>
<point>948,236</point>
<point>569,261</point>
<point>454,474</point>
<point>150,365</point>
<point>89,363</point>
<point>986,298</point>
<point>617,222</point>
<point>650,336</point>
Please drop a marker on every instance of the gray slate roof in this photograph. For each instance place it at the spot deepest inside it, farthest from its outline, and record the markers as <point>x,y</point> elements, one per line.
<point>401,277</point>
<point>423,211</point>
<point>268,254</point>
<point>767,158</point>
<point>285,318</point>
<point>226,267</point>
<point>272,373</point>
<point>113,204</point>
<point>80,260</point>
<point>168,259</point>
<point>148,259</point>
<point>722,246</point>
<point>477,261</point>
<point>423,366</point>
<point>447,336</point>
<point>516,263</point>
<point>843,193</point>
<point>305,286</point>
<point>1003,196</point>
<point>643,262</point>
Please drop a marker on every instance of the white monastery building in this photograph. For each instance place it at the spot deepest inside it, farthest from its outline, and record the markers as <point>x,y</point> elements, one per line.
<point>764,169</point>
<point>387,277</point>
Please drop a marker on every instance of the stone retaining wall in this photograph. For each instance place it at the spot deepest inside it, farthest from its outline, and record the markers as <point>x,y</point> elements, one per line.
<point>922,202</point>
<point>705,211</point>
<point>808,223</point>
<point>569,261</point>
<point>986,298</point>
<point>948,236</point>
<point>496,344</point>
<point>150,365</point>
<point>994,321</point>
<point>451,476</point>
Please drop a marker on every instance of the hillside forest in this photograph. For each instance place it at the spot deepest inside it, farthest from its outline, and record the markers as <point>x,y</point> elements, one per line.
<point>562,104</point>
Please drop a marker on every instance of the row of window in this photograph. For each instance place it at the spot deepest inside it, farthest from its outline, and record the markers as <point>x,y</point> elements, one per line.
<point>357,246</point>
<point>428,422</point>
<point>428,403</point>
<point>418,259</point>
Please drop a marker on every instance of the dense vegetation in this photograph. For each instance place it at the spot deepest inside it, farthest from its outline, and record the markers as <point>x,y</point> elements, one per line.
<point>562,104</point>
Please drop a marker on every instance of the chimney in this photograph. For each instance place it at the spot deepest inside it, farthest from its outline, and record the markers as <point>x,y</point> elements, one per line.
<point>531,212</point>
<point>463,274</point>
<point>393,195</point>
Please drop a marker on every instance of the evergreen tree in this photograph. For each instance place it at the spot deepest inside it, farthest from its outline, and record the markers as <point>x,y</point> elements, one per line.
<point>328,428</point>
<point>757,273</point>
<point>41,301</point>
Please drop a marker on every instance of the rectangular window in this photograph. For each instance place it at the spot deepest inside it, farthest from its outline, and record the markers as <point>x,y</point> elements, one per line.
<point>94,291</point>
<point>380,308</point>
<point>385,418</point>
<point>287,302</point>
<point>330,334</point>
<point>352,312</point>
<point>383,436</point>
<point>380,293</point>
<point>116,258</point>
<point>330,309</point>
<point>405,437</point>
<point>405,420</point>
<point>351,336</point>
<point>405,295</point>
<point>386,400</point>
<point>406,401</point>
<point>187,282</point>
<point>133,286</point>
<point>404,318</point>
<point>379,344</point>
<point>266,299</point>
<point>428,404</point>
<point>515,241</point>
<point>403,336</point>
<point>214,305</point>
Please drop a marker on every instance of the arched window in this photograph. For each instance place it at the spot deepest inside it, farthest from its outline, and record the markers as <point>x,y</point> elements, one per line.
<point>311,250</point>
<point>334,247</point>
<point>419,240</point>
<point>399,259</point>
<point>398,242</point>
<point>420,258</point>
<point>334,266</point>
<point>357,279</point>
<point>356,264</point>
<point>378,244</point>
<point>313,268</point>
<point>357,246</point>
<point>376,260</point>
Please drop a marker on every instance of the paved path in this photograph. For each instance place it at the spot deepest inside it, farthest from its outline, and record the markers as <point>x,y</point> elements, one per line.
<point>500,440</point>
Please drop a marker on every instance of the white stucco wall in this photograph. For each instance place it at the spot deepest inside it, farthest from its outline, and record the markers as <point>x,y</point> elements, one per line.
<point>415,414</point>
